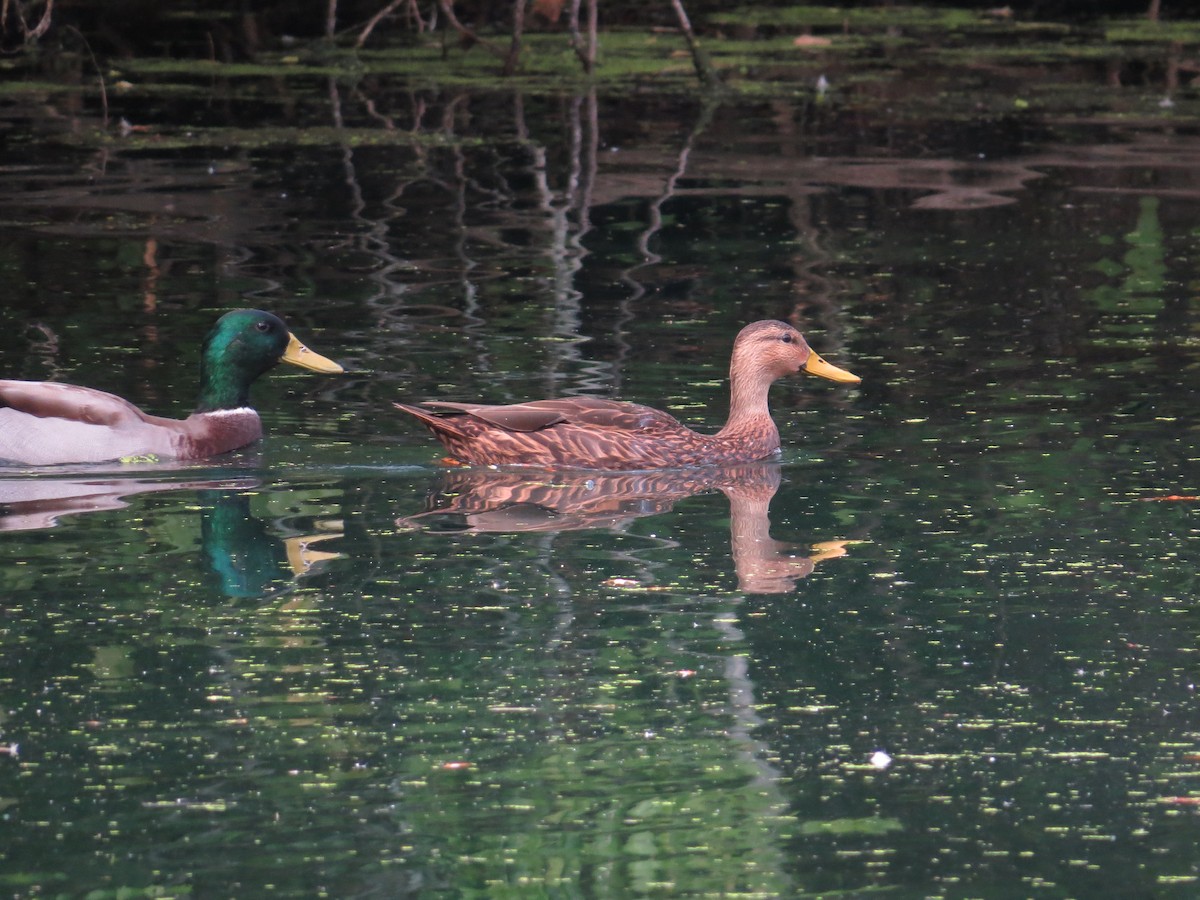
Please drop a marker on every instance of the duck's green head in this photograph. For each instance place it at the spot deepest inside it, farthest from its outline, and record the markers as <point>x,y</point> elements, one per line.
<point>243,345</point>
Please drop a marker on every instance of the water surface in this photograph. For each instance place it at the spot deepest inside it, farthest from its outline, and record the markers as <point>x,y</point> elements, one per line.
<point>945,646</point>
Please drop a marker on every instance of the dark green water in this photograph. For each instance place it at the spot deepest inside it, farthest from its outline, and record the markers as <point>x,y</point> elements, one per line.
<point>262,676</point>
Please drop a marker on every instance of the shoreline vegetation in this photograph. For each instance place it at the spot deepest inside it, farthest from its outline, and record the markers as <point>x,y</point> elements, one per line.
<point>220,31</point>
<point>117,64</point>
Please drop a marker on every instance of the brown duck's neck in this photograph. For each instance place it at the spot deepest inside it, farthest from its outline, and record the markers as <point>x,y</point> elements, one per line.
<point>748,408</point>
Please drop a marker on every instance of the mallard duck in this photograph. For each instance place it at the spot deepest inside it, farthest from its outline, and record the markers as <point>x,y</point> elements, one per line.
<point>590,433</point>
<point>46,423</point>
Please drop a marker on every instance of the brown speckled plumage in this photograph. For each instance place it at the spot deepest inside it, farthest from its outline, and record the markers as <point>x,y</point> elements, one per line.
<point>586,432</point>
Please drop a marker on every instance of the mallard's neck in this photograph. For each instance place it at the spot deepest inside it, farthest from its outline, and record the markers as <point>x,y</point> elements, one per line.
<point>223,385</point>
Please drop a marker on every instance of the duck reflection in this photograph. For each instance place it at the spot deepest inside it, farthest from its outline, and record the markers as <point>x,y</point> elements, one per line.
<point>509,500</point>
<point>38,502</point>
<point>248,556</point>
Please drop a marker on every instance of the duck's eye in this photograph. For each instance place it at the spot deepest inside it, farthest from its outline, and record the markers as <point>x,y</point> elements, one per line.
<point>264,327</point>
<point>787,338</point>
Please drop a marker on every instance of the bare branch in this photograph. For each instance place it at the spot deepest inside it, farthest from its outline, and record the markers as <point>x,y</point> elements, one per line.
<point>584,47</point>
<point>99,72</point>
<point>704,68</point>
<point>447,8</point>
<point>514,50</point>
<point>375,20</point>
<point>44,25</point>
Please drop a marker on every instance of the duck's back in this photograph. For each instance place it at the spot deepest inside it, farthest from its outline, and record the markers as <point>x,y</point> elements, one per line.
<point>46,423</point>
<point>34,441</point>
<point>580,432</point>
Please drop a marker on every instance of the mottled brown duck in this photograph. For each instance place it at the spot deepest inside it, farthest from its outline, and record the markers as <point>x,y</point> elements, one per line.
<point>591,433</point>
<point>46,423</point>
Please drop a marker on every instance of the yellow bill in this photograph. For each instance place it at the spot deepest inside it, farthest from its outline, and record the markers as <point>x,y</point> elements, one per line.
<point>299,355</point>
<point>817,366</point>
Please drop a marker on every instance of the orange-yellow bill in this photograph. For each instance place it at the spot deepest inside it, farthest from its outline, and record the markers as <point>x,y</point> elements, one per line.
<point>299,355</point>
<point>818,366</point>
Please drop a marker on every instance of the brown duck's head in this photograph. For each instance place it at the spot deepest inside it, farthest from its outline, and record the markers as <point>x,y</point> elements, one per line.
<point>779,349</point>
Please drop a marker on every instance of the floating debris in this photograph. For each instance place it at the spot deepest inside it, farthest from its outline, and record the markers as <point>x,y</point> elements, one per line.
<point>880,760</point>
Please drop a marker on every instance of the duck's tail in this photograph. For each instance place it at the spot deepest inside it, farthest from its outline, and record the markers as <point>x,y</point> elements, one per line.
<point>438,424</point>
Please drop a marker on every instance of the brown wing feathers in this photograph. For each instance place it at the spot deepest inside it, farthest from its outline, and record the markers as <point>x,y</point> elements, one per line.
<point>515,417</point>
